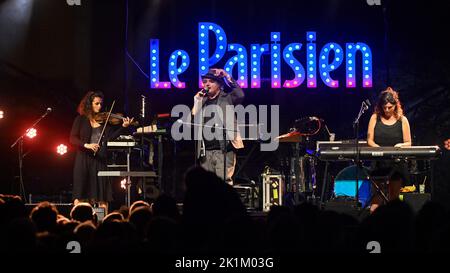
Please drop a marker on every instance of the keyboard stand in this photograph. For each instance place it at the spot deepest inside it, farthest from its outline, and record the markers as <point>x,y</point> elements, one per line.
<point>128,174</point>
<point>379,191</point>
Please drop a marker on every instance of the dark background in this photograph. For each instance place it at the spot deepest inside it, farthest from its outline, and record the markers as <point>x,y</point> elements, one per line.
<point>52,53</point>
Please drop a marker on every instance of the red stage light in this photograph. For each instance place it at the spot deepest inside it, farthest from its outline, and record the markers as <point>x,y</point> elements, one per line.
<point>1,114</point>
<point>31,133</point>
<point>61,149</point>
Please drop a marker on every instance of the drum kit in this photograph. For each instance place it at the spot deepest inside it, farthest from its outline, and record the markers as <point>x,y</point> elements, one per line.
<point>301,180</point>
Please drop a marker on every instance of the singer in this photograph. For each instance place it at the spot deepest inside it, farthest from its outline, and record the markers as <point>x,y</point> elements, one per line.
<point>90,156</point>
<point>389,127</point>
<point>219,155</point>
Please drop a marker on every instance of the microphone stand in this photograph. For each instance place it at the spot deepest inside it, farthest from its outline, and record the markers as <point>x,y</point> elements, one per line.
<point>142,135</point>
<point>21,156</point>
<point>363,108</point>
<point>141,152</point>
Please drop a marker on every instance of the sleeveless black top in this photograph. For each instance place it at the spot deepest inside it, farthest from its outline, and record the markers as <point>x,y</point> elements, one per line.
<point>388,135</point>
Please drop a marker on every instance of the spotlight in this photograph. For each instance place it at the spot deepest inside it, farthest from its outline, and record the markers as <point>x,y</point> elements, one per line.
<point>61,149</point>
<point>123,183</point>
<point>1,114</point>
<point>31,133</point>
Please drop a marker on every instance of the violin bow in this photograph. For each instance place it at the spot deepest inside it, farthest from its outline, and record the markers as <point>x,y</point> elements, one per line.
<point>104,125</point>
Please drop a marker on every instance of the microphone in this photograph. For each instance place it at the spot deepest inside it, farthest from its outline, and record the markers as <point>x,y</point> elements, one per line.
<point>46,112</point>
<point>366,104</point>
<point>205,91</point>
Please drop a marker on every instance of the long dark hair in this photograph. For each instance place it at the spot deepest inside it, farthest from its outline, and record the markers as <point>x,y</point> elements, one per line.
<point>389,96</point>
<point>85,106</point>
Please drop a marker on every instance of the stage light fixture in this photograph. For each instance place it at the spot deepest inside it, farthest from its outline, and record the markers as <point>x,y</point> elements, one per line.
<point>123,183</point>
<point>31,133</point>
<point>61,149</point>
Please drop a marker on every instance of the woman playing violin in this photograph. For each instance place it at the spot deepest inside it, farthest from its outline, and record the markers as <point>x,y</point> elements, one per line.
<point>91,150</point>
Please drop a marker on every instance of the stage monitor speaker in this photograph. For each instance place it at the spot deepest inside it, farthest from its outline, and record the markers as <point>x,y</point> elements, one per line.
<point>348,207</point>
<point>146,189</point>
<point>249,195</point>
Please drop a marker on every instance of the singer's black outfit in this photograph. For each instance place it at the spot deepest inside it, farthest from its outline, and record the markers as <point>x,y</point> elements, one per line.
<point>385,136</point>
<point>211,152</point>
<point>86,184</point>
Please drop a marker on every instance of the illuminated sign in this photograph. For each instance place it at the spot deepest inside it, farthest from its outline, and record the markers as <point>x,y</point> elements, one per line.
<point>329,59</point>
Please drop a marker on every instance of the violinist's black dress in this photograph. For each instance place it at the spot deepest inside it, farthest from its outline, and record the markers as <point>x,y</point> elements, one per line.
<point>86,184</point>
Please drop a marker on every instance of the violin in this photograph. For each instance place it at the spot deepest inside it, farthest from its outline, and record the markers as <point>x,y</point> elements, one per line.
<point>114,119</point>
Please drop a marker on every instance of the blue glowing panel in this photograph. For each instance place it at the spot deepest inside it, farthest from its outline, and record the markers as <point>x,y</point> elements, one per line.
<point>275,59</point>
<point>256,51</point>
<point>351,50</point>
<point>175,70</point>
<point>347,188</point>
<point>294,64</point>
<point>325,67</point>
<point>204,59</point>
<point>154,66</point>
<point>241,59</point>
<point>311,72</point>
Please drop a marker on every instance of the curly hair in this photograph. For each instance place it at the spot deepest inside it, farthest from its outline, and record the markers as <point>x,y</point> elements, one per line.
<point>85,106</point>
<point>389,96</point>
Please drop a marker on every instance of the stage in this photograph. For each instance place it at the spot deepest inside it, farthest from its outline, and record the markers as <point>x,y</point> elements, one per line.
<point>304,108</point>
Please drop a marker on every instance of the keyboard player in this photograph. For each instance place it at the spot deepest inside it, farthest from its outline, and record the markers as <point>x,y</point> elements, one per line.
<point>389,127</point>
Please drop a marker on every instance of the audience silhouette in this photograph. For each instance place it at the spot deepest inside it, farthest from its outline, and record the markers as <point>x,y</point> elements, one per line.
<point>213,220</point>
